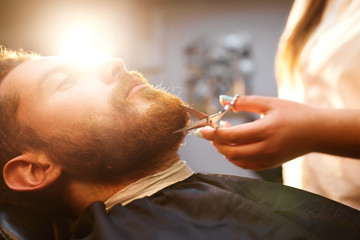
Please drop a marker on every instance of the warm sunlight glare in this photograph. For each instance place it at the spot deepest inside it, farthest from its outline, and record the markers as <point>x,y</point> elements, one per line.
<point>84,48</point>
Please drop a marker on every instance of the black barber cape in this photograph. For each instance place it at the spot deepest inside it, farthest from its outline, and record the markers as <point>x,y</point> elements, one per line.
<point>221,207</point>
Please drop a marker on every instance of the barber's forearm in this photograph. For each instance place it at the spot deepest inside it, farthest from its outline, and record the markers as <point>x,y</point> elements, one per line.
<point>337,132</point>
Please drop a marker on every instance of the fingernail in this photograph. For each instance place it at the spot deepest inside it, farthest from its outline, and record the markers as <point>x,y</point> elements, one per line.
<point>198,134</point>
<point>222,123</point>
<point>225,98</point>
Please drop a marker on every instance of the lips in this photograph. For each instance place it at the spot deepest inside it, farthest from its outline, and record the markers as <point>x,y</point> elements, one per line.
<point>135,87</point>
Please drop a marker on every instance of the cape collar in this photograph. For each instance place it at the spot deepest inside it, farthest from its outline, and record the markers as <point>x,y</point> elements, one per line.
<point>149,185</point>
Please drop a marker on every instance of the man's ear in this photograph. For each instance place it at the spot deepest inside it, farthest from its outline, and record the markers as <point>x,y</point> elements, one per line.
<point>30,172</point>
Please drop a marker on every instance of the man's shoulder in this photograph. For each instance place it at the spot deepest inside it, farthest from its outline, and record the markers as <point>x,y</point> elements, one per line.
<point>208,206</point>
<point>251,188</point>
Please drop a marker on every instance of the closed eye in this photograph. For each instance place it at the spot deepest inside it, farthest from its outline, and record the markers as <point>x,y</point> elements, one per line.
<point>66,84</point>
<point>64,81</point>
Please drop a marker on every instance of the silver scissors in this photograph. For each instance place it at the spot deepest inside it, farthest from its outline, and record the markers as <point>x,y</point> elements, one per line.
<point>205,119</point>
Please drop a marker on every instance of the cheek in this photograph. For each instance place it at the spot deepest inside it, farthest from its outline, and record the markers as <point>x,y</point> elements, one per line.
<point>91,99</point>
<point>62,112</point>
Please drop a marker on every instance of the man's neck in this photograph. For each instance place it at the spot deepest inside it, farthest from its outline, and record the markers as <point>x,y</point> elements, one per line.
<point>82,194</point>
<point>79,194</point>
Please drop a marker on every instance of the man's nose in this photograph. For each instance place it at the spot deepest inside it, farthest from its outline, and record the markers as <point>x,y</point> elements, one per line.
<point>108,71</point>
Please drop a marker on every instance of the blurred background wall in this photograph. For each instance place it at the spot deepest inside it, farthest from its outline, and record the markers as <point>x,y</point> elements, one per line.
<point>152,36</point>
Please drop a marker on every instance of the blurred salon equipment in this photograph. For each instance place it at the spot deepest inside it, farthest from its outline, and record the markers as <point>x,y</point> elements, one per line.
<point>218,65</point>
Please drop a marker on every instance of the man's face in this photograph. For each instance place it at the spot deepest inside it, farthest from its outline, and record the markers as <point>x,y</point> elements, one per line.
<point>101,122</point>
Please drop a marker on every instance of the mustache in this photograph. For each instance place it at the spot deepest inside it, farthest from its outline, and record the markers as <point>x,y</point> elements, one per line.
<point>125,81</point>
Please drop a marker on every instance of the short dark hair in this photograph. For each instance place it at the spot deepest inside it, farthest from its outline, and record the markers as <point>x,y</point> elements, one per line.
<point>9,137</point>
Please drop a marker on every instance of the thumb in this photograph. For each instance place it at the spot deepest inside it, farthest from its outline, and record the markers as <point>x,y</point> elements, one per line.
<point>208,132</point>
<point>205,132</point>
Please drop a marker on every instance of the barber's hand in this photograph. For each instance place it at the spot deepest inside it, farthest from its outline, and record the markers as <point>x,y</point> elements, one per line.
<point>283,133</point>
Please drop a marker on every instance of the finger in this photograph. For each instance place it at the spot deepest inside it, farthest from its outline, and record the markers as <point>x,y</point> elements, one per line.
<point>249,156</point>
<point>225,99</point>
<point>250,165</point>
<point>254,104</point>
<point>245,152</point>
<point>240,134</point>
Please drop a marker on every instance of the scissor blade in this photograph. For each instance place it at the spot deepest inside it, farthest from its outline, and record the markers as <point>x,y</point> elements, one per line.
<point>206,120</point>
<point>198,124</point>
<point>215,118</point>
<point>197,114</point>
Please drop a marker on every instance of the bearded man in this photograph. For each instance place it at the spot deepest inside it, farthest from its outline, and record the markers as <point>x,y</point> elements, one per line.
<point>97,145</point>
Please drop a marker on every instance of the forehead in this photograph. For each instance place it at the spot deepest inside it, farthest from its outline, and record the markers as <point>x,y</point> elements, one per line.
<point>28,72</point>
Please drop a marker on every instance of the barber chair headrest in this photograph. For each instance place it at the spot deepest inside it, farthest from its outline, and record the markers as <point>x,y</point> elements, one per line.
<point>22,223</point>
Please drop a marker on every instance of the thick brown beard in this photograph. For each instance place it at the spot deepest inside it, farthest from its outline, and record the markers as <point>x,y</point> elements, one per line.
<point>126,145</point>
